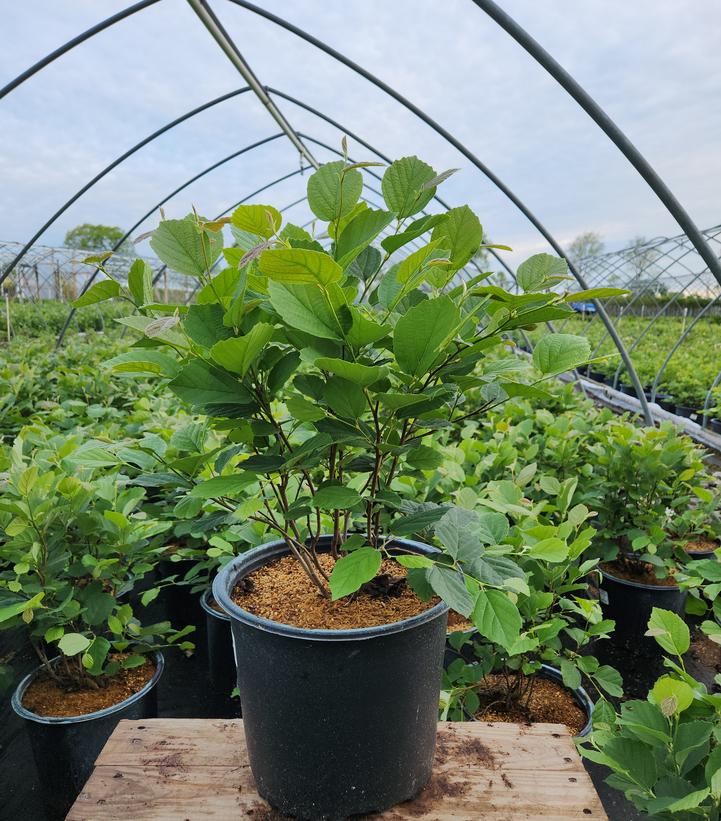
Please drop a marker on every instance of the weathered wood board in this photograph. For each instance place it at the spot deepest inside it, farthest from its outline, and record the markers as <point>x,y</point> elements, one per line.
<point>189,769</point>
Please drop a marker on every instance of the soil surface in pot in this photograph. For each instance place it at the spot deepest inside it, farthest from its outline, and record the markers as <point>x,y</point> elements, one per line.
<point>549,703</point>
<point>699,545</point>
<point>636,571</point>
<point>458,623</point>
<point>281,591</point>
<point>45,697</point>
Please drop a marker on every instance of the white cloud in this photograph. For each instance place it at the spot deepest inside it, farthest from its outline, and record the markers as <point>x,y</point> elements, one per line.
<point>652,64</point>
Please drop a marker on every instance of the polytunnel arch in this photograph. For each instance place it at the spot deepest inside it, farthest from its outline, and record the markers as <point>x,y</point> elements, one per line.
<point>502,19</point>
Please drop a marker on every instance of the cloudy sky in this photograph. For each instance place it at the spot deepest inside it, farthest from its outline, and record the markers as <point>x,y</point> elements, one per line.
<point>654,65</point>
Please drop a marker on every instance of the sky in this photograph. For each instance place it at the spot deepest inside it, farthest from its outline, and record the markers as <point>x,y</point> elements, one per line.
<point>653,65</point>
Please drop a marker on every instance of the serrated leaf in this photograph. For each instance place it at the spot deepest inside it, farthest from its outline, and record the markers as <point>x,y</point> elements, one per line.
<point>335,497</point>
<point>497,618</point>
<point>299,266</point>
<point>261,220</point>
<point>532,273</point>
<point>557,353</point>
<point>239,353</point>
<point>422,332</point>
<point>332,194</point>
<point>182,246</point>
<point>403,186</point>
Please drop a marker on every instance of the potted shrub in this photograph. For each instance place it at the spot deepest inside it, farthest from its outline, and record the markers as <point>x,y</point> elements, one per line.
<point>643,480</point>
<point>329,368</point>
<point>73,546</point>
<point>663,752</point>
<point>536,673</point>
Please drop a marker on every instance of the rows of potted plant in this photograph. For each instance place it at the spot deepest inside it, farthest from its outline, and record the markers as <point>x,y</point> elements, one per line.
<point>340,402</point>
<point>687,377</point>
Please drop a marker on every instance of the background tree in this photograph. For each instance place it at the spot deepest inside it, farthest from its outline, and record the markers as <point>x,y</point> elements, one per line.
<point>89,237</point>
<point>588,244</point>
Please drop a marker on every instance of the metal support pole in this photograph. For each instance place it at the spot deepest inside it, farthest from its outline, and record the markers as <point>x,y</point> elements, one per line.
<point>231,51</point>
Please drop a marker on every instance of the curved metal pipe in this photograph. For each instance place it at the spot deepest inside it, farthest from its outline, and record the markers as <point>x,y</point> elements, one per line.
<point>81,38</point>
<point>114,164</point>
<point>471,157</point>
<point>608,126</point>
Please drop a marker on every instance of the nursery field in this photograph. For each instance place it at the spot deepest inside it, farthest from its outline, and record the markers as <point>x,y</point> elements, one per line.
<point>343,457</point>
<point>690,372</point>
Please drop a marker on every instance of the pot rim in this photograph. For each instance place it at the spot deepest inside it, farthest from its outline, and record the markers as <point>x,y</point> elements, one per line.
<point>211,611</point>
<point>23,712</point>
<point>639,585</point>
<point>227,577</point>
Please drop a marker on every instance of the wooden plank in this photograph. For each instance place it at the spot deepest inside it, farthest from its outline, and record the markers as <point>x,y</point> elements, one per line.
<point>169,769</point>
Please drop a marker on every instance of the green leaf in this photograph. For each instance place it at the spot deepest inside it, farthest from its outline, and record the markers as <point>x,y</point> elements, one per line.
<point>424,457</point>
<point>96,655</point>
<point>415,262</point>
<point>491,528</point>
<point>204,324</point>
<point>646,722</point>
<point>671,695</point>
<point>354,570</point>
<point>335,497</point>
<point>261,220</point>
<point>345,398</point>
<point>448,584</point>
<point>231,486</point>
<point>551,549</point>
<point>140,282</point>
<point>364,331</point>
<point>182,246</point>
<point>417,522</point>
<point>610,680</point>
<point>497,618</point>
<point>13,610</point>
<point>306,308</point>
<point>303,410</point>
<point>570,674</point>
<point>455,532</point>
<point>239,353</point>
<point>557,353</point>
<point>98,292</point>
<point>494,570</point>
<point>414,230</point>
<point>670,631</point>
<point>300,266</point>
<point>633,757</point>
<point>202,385</point>
<point>143,362</point>
<point>333,194</point>
<point>362,375</point>
<point>461,233</point>
<point>532,273</point>
<point>414,560</point>
<point>73,643</point>
<point>594,293</point>
<point>422,332</point>
<point>403,186</point>
<point>359,233</point>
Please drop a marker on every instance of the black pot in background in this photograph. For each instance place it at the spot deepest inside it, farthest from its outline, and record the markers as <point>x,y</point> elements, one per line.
<point>687,412</point>
<point>337,722</point>
<point>629,390</point>
<point>65,749</point>
<point>630,603</point>
<point>221,660</point>
<point>177,603</point>
<point>715,425</point>
<point>598,376</point>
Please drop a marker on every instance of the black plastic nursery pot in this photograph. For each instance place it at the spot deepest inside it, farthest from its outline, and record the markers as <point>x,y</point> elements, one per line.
<point>221,659</point>
<point>65,748</point>
<point>715,425</point>
<point>629,604</point>
<point>686,412</point>
<point>337,722</point>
